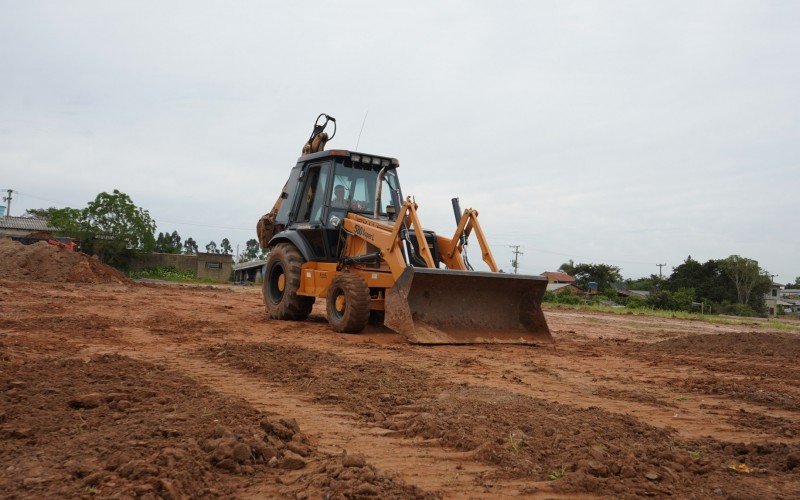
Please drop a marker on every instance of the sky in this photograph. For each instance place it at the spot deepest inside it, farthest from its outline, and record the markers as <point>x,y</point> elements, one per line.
<point>632,133</point>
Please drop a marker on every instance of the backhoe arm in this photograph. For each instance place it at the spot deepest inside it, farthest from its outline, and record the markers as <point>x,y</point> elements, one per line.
<point>451,250</point>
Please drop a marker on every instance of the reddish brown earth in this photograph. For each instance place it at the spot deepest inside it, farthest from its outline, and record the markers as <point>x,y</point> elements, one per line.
<point>44,262</point>
<point>196,390</point>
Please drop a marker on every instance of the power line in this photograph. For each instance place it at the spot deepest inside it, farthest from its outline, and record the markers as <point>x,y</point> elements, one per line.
<point>214,226</point>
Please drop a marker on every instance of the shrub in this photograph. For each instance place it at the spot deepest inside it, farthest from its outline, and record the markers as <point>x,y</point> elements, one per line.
<point>167,273</point>
<point>636,302</point>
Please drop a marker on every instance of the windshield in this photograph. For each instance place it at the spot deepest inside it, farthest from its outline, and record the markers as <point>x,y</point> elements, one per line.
<point>354,189</point>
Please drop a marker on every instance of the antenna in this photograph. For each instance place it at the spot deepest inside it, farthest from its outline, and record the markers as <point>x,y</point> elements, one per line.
<point>362,128</point>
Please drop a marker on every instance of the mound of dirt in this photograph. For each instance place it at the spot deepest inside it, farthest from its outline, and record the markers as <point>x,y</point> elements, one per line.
<point>766,344</point>
<point>43,262</point>
<point>112,426</point>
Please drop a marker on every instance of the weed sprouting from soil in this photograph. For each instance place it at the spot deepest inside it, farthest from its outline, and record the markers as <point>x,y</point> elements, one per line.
<point>556,474</point>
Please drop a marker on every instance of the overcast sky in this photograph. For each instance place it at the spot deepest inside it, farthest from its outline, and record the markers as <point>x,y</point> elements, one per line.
<point>632,133</point>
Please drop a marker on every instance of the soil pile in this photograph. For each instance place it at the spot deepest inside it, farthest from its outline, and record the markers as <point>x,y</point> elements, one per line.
<point>43,262</point>
<point>759,344</point>
<point>113,426</point>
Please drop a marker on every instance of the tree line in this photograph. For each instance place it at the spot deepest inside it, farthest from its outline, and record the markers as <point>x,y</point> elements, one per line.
<point>733,285</point>
<point>171,243</point>
<point>115,229</point>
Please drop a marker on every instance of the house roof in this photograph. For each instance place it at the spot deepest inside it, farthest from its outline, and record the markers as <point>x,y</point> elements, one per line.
<point>628,293</point>
<point>249,264</point>
<point>25,224</point>
<point>553,287</point>
<point>558,276</point>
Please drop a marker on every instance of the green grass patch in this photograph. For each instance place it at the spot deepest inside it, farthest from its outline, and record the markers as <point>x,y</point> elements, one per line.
<point>659,313</point>
<point>169,273</point>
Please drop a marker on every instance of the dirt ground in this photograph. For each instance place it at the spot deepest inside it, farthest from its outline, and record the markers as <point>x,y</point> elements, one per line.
<point>148,390</point>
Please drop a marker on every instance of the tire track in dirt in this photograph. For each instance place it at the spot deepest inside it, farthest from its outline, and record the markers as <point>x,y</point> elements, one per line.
<point>419,462</point>
<point>526,437</point>
<point>602,381</point>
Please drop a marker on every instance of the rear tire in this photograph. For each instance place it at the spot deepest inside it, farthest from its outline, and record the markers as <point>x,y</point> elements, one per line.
<point>348,303</point>
<point>281,282</point>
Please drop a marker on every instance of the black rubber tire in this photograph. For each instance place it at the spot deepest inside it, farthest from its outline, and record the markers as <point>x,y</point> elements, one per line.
<point>284,258</point>
<point>354,317</point>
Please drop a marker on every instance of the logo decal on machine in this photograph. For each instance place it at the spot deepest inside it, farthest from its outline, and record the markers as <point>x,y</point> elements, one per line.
<point>360,231</point>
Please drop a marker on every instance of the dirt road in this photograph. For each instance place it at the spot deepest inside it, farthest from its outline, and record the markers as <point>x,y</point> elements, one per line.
<point>620,405</point>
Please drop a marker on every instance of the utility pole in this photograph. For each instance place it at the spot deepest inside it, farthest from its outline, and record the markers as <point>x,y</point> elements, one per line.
<point>8,199</point>
<point>771,278</point>
<point>515,260</point>
<point>659,270</point>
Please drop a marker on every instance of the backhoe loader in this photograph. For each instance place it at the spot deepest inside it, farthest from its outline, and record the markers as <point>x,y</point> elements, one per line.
<point>341,230</point>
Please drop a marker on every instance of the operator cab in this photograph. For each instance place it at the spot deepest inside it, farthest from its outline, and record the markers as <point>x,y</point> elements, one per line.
<point>323,187</point>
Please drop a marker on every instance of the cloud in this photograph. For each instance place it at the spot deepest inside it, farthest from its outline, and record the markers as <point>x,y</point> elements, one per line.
<point>629,132</point>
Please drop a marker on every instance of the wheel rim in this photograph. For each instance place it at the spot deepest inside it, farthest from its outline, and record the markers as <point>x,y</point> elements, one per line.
<point>339,303</point>
<point>277,283</point>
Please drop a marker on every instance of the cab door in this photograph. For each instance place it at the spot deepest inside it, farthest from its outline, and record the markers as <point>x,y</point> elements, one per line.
<point>310,208</point>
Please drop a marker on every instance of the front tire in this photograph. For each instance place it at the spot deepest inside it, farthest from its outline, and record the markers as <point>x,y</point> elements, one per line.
<point>281,282</point>
<point>348,303</point>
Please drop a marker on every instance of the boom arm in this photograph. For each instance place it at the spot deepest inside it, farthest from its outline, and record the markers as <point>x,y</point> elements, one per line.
<point>387,238</point>
<point>451,250</point>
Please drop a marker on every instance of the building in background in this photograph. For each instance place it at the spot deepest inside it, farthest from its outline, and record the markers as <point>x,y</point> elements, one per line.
<point>558,277</point>
<point>214,266</point>
<point>22,227</point>
<point>252,271</point>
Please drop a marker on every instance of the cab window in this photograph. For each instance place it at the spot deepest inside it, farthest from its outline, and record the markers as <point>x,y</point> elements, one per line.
<point>311,203</point>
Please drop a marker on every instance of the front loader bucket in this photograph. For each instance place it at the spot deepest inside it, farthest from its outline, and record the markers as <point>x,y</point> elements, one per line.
<point>436,306</point>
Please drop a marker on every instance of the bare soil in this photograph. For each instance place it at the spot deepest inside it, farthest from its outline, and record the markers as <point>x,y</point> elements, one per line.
<point>44,262</point>
<point>196,392</point>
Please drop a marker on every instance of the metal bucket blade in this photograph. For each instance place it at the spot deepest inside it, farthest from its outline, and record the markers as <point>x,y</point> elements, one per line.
<point>435,306</point>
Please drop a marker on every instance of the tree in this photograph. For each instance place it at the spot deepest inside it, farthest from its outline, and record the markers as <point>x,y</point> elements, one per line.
<point>251,249</point>
<point>212,248</point>
<point>68,221</point>
<point>568,267</point>
<point>40,213</point>
<point>603,274</point>
<point>679,300</point>
<point>115,218</point>
<point>708,279</point>
<point>225,246</point>
<point>642,283</point>
<point>744,273</point>
<point>111,227</point>
<point>174,242</point>
<point>168,243</point>
<point>159,247</point>
<point>190,246</point>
